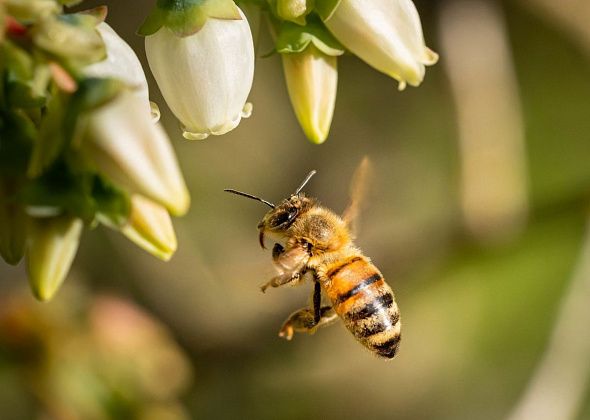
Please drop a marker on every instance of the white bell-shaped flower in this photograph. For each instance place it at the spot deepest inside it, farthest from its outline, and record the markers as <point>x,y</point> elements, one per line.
<point>386,34</point>
<point>205,77</point>
<point>124,144</point>
<point>120,63</point>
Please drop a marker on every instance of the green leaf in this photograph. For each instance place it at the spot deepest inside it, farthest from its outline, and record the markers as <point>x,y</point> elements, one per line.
<point>17,61</point>
<point>325,8</point>
<point>51,139</point>
<point>17,133</point>
<point>13,224</point>
<point>26,80</point>
<point>186,17</point>
<point>293,38</point>
<point>62,189</point>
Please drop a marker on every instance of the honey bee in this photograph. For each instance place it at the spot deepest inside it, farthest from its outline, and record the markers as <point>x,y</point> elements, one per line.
<point>320,243</point>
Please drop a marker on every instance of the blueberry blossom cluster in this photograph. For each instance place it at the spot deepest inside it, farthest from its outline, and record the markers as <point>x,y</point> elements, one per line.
<point>210,44</point>
<point>79,144</point>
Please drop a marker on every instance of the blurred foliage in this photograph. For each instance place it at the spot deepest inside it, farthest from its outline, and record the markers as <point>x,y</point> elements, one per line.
<point>93,357</point>
<point>476,317</point>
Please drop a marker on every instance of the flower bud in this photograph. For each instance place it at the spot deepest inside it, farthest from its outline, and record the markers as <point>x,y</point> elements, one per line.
<point>127,147</point>
<point>292,10</point>
<point>312,79</point>
<point>205,77</point>
<point>120,63</point>
<point>386,34</point>
<point>149,227</point>
<point>51,248</point>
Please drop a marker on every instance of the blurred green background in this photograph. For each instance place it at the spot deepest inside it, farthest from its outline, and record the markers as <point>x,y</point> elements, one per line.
<point>478,298</point>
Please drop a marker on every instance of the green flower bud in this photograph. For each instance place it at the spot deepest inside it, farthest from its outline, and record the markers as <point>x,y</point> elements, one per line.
<point>51,248</point>
<point>149,227</point>
<point>292,10</point>
<point>312,80</point>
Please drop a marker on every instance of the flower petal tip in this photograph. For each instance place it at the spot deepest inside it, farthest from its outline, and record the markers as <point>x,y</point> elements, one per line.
<point>247,110</point>
<point>431,57</point>
<point>189,135</point>
<point>154,112</point>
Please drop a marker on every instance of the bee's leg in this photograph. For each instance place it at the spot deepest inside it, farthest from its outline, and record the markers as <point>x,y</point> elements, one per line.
<point>317,301</point>
<point>281,280</point>
<point>303,320</point>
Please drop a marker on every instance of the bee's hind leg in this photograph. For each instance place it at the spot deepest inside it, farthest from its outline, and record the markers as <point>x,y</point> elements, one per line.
<point>304,320</point>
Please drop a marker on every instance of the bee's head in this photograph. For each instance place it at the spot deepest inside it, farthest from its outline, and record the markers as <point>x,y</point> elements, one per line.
<point>280,217</point>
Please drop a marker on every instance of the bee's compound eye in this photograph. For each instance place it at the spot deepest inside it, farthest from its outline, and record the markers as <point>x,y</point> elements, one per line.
<point>283,219</point>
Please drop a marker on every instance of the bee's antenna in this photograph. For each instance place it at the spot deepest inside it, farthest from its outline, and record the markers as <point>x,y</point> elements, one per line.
<point>305,181</point>
<point>253,197</point>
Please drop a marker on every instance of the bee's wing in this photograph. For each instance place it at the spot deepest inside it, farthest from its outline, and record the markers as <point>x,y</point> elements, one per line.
<point>358,191</point>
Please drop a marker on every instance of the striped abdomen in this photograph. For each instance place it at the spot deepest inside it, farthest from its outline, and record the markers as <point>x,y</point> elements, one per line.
<point>365,302</point>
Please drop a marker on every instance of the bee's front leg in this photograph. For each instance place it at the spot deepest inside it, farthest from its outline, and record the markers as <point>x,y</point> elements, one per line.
<point>281,280</point>
<point>290,262</point>
<point>304,321</point>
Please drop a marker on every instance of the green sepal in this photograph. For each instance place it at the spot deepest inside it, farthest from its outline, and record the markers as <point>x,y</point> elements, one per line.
<point>325,8</point>
<point>69,3</point>
<point>80,193</point>
<point>25,80</point>
<point>70,39</point>
<point>113,205</point>
<point>99,13</point>
<point>293,38</point>
<point>17,133</point>
<point>30,11</point>
<point>61,189</point>
<point>186,17</point>
<point>94,92</point>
